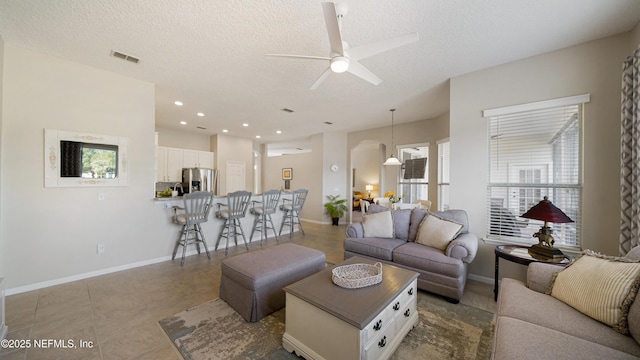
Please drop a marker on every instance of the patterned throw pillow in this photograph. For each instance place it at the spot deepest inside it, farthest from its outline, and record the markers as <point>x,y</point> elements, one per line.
<point>600,287</point>
<point>379,225</point>
<point>437,232</point>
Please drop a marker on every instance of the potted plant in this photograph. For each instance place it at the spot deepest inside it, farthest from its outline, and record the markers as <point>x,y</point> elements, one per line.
<point>335,208</point>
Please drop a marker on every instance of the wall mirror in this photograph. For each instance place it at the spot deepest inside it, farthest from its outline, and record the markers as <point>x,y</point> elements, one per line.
<point>75,159</point>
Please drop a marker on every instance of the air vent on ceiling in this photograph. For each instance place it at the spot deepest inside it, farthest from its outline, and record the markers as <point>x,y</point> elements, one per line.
<point>124,56</point>
<point>201,128</point>
<point>287,110</point>
<point>328,122</point>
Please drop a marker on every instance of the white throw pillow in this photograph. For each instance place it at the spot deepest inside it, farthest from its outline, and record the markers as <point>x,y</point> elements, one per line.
<point>378,225</point>
<point>437,232</point>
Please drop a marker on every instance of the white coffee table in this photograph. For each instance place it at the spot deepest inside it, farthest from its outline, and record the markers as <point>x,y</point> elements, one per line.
<point>325,321</point>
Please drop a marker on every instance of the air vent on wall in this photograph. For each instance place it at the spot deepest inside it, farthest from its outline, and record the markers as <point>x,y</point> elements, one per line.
<point>124,56</point>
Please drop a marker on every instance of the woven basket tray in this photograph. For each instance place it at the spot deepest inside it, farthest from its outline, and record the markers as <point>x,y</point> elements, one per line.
<point>357,275</point>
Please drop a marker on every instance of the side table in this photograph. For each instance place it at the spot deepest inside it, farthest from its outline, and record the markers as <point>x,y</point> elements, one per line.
<point>519,254</point>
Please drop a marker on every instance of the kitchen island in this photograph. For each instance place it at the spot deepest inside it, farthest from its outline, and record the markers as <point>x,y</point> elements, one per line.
<point>211,229</point>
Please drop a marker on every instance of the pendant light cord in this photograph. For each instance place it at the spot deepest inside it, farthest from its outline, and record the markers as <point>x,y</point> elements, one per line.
<point>392,111</point>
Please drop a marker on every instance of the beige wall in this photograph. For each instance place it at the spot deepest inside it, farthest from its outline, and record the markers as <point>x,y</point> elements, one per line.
<point>232,149</point>
<point>52,233</point>
<point>593,68</point>
<point>183,139</point>
<point>3,271</point>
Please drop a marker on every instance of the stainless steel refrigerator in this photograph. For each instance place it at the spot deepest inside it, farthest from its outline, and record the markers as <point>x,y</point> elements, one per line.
<point>199,179</point>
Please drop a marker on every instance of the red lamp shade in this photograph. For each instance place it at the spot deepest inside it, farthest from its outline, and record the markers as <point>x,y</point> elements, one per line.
<point>546,211</point>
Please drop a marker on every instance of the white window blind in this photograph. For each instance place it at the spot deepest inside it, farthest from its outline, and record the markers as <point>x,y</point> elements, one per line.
<point>532,154</point>
<point>443,175</point>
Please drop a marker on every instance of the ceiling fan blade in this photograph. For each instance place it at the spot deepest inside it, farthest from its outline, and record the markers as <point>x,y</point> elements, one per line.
<point>300,56</point>
<point>362,72</point>
<point>321,78</point>
<point>333,28</point>
<point>367,50</point>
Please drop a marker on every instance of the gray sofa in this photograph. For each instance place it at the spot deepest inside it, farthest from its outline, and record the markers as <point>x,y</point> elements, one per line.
<point>441,272</point>
<point>532,325</point>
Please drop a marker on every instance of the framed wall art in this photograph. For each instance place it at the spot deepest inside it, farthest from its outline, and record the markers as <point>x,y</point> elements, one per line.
<point>287,173</point>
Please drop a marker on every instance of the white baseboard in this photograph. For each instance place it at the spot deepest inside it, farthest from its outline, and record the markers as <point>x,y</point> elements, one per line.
<point>48,283</point>
<point>482,279</point>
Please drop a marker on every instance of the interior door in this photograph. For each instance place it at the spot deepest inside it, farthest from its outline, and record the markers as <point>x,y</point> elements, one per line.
<point>235,176</point>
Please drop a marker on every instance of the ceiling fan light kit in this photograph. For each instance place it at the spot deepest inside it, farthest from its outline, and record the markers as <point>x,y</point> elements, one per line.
<point>339,61</point>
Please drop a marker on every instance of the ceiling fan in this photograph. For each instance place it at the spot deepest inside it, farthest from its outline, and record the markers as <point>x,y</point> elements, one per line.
<point>342,58</point>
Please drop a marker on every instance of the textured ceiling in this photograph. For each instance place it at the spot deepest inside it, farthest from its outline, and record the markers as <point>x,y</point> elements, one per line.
<point>211,54</point>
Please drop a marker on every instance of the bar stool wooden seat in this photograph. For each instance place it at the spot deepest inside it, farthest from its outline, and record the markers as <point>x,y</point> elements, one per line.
<point>196,211</point>
<point>292,208</point>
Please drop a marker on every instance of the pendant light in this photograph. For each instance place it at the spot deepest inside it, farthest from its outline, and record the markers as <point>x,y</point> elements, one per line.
<point>392,160</point>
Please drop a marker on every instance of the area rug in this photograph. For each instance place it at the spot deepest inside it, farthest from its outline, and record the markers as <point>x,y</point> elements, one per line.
<point>214,330</point>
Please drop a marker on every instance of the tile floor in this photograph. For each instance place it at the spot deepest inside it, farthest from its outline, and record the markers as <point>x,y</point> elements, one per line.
<point>119,312</point>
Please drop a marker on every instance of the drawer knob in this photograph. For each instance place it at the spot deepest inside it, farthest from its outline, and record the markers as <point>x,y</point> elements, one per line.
<point>378,325</point>
<point>382,342</point>
<point>396,307</point>
<point>407,313</point>
<point>410,292</point>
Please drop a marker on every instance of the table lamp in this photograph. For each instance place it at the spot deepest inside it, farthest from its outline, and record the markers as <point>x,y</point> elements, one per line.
<point>368,187</point>
<point>547,212</point>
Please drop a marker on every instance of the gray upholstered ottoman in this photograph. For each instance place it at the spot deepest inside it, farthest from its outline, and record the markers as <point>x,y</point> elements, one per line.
<point>252,283</point>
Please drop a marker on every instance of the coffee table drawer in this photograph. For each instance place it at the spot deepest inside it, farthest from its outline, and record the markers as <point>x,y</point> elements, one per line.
<point>375,349</point>
<point>378,325</point>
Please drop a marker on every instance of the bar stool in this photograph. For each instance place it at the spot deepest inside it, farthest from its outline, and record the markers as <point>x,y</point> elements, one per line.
<point>196,211</point>
<point>263,211</point>
<point>236,208</point>
<point>292,208</point>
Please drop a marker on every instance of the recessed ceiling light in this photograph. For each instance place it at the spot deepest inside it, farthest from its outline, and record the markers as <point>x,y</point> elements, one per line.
<point>245,124</point>
<point>183,123</point>
<point>257,136</point>
<point>200,114</point>
<point>179,103</point>
<point>278,132</point>
<point>225,130</point>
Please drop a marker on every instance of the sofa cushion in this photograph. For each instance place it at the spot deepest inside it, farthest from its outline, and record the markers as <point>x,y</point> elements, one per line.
<point>401,221</point>
<point>634,319</point>
<point>416,218</point>
<point>374,247</point>
<point>378,225</point>
<point>633,254</point>
<point>428,260</point>
<point>600,287</point>
<point>517,339</point>
<point>437,232</point>
<point>517,301</point>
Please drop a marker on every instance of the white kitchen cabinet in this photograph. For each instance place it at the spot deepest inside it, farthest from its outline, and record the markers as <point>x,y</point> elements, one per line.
<point>195,158</point>
<point>169,167</point>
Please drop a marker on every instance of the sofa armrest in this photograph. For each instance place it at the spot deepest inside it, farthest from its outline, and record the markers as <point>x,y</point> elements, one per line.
<point>355,230</point>
<point>539,276</point>
<point>464,247</point>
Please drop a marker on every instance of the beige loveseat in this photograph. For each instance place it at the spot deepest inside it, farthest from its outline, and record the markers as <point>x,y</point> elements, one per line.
<point>443,271</point>
<point>533,325</point>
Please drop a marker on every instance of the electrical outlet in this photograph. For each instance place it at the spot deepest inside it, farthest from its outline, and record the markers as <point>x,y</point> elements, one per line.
<point>165,205</point>
<point>101,196</point>
<point>101,248</point>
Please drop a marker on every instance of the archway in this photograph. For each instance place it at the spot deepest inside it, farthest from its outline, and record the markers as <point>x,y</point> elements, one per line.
<point>366,169</point>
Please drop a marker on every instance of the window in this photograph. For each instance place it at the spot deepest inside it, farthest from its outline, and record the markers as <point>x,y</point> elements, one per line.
<point>535,151</point>
<point>443,175</point>
<point>413,182</point>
